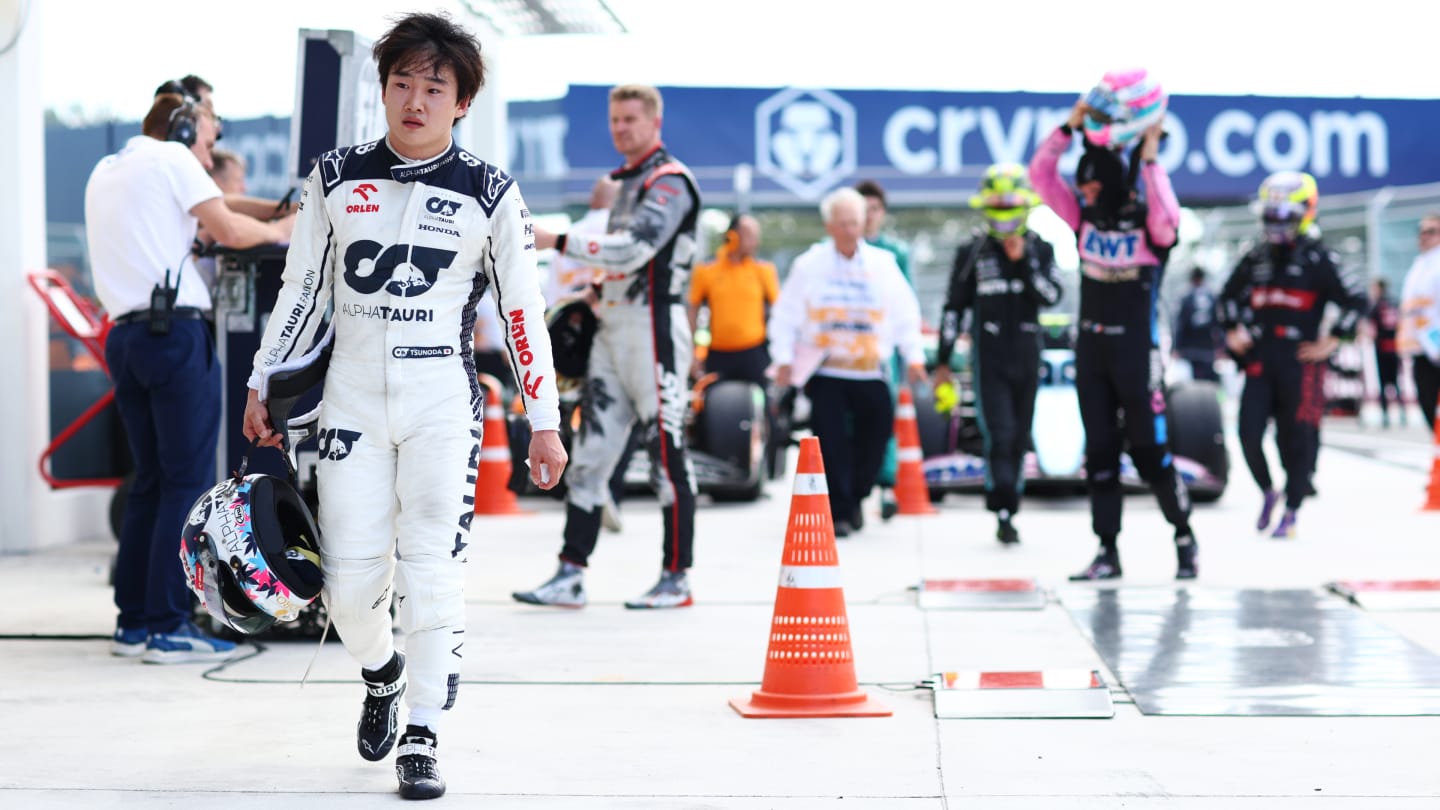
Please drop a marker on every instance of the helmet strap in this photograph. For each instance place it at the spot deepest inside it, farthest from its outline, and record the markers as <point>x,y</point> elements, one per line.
<point>239,474</point>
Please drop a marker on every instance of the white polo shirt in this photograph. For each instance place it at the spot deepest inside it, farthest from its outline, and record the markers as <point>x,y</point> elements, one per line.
<point>138,224</point>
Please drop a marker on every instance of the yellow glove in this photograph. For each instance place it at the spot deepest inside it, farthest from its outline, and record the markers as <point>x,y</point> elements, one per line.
<point>947,396</point>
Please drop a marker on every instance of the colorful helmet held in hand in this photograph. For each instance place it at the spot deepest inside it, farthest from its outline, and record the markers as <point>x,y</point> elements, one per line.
<point>1122,106</point>
<point>251,552</point>
<point>1287,203</point>
<point>1005,199</point>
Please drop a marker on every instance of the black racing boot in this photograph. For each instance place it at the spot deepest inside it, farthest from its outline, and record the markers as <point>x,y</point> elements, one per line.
<point>889,507</point>
<point>1106,565</point>
<point>1186,553</point>
<point>380,718</point>
<point>1005,532</point>
<point>415,765</point>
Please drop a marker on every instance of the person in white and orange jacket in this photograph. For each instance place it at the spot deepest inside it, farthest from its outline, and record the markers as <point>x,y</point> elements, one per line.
<point>843,312</point>
<point>1419,334</point>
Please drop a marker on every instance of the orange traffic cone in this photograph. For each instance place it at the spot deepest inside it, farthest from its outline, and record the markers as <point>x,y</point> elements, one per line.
<point>912,496</point>
<point>809,667</point>
<point>1432,493</point>
<point>493,495</point>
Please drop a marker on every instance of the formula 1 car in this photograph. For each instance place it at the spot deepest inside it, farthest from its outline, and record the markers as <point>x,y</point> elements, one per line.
<point>726,433</point>
<point>953,452</point>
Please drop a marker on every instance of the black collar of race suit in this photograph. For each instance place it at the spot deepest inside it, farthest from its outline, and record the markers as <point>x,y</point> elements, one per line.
<point>404,172</point>
<point>652,159</point>
<point>1128,216</point>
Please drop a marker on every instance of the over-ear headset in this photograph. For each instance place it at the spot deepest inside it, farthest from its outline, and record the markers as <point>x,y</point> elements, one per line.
<point>182,124</point>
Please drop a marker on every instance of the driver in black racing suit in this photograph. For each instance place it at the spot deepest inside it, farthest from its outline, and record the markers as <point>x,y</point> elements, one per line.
<point>1123,244</point>
<point>1006,276</point>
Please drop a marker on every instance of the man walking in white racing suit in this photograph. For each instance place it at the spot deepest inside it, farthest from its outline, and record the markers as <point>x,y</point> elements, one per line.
<point>641,353</point>
<point>402,236</point>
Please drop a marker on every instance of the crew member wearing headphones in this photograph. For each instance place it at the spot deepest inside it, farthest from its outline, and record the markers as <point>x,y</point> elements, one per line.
<point>141,210</point>
<point>739,290</point>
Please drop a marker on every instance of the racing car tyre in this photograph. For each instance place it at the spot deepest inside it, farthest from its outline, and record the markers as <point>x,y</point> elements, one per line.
<point>1197,430</point>
<point>777,445</point>
<point>934,427</point>
<point>733,409</point>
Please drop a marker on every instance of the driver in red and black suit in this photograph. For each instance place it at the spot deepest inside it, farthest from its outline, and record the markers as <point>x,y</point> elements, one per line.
<point>1271,308</point>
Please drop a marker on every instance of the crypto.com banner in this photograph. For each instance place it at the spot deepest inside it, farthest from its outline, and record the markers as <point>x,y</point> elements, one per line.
<point>932,146</point>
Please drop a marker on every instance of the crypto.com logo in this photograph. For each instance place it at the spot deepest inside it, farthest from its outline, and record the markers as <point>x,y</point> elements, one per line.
<point>805,140</point>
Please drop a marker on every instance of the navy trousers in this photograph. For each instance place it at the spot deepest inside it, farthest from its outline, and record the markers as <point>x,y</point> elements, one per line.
<point>167,390</point>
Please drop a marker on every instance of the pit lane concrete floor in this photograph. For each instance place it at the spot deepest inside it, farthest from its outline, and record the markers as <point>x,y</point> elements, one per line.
<point>607,708</point>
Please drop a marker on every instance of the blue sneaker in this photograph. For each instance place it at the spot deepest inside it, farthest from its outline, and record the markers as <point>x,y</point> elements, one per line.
<point>187,644</point>
<point>129,642</point>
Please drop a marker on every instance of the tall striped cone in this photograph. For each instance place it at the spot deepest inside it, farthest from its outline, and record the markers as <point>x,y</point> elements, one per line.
<point>809,666</point>
<point>493,495</point>
<point>1432,492</point>
<point>912,495</point>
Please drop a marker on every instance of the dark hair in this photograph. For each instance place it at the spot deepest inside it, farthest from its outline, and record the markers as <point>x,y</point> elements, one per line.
<point>157,121</point>
<point>870,188</point>
<point>430,42</point>
<point>1197,274</point>
<point>189,86</point>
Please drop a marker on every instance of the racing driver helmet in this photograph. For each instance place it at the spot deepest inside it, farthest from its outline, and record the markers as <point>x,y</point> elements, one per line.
<point>1287,202</point>
<point>251,552</point>
<point>1005,199</point>
<point>1122,106</point>
<point>572,326</point>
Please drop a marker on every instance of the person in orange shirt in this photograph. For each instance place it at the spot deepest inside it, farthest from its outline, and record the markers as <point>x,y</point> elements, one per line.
<point>739,290</point>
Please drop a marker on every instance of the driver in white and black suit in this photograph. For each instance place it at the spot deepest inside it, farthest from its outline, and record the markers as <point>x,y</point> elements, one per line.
<point>402,236</point>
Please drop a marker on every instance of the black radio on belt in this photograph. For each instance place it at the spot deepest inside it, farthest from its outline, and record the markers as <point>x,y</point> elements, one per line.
<point>162,306</point>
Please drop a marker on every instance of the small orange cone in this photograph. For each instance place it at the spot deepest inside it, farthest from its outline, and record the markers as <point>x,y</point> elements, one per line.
<point>1432,493</point>
<point>912,496</point>
<point>493,495</point>
<point>809,666</point>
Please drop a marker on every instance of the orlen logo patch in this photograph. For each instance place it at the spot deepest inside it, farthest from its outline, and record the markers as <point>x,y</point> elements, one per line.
<point>411,352</point>
<point>521,342</point>
<point>364,190</point>
<point>805,140</point>
<point>336,443</point>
